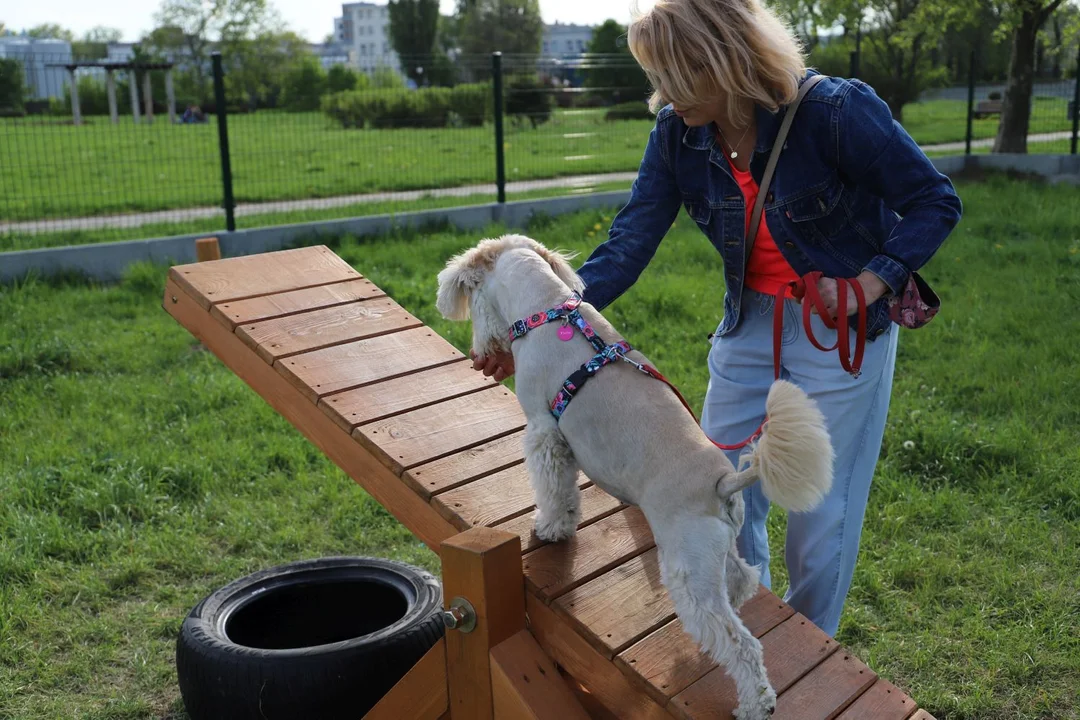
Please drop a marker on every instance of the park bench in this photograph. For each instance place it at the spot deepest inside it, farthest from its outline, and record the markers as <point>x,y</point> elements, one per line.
<point>986,108</point>
<point>576,629</point>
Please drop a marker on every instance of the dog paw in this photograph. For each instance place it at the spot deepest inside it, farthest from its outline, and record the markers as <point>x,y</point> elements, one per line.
<point>558,527</point>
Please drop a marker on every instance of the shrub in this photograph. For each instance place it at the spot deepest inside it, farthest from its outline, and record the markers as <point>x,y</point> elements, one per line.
<point>427,108</point>
<point>303,86</point>
<point>528,97</point>
<point>471,104</point>
<point>12,88</point>
<point>629,111</point>
<point>995,95</point>
<point>340,78</point>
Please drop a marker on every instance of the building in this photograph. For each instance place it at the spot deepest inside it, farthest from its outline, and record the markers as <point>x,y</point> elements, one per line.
<point>40,58</point>
<point>329,54</point>
<point>363,30</point>
<point>562,40</point>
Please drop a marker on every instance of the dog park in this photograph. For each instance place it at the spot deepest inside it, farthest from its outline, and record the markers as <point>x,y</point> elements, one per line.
<point>247,468</point>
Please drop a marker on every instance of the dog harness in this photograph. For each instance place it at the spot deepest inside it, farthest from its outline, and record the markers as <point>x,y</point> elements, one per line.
<point>805,289</point>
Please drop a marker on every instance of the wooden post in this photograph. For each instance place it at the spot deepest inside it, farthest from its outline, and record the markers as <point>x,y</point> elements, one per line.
<point>170,96</point>
<point>133,82</point>
<point>207,249</point>
<point>483,567</point>
<point>76,111</point>
<point>148,97</point>
<point>110,88</point>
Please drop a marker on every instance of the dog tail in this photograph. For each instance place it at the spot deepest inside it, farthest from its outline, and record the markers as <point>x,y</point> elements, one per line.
<point>793,458</point>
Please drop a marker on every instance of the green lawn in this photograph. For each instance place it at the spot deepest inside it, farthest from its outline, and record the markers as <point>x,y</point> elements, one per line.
<point>941,121</point>
<point>137,473</point>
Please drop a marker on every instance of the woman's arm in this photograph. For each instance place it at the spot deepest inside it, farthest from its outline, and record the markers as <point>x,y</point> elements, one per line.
<point>636,231</point>
<point>874,151</point>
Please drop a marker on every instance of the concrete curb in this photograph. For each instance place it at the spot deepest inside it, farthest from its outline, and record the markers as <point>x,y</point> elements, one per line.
<point>107,261</point>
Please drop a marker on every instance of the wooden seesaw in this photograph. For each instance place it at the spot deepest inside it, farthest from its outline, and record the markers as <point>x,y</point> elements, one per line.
<point>576,629</point>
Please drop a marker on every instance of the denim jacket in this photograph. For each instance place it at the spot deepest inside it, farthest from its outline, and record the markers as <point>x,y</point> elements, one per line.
<point>851,192</point>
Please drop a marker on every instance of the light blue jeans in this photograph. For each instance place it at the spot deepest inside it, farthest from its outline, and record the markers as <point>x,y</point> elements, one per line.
<point>821,545</point>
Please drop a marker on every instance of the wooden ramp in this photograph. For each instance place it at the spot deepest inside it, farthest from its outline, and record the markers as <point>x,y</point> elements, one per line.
<point>440,447</point>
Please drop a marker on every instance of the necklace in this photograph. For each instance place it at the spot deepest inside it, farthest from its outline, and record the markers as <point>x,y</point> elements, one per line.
<point>734,153</point>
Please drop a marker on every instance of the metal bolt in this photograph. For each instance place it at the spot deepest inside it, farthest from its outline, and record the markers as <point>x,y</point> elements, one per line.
<point>174,299</point>
<point>461,615</point>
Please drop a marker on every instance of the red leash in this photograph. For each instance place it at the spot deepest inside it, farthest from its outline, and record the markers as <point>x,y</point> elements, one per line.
<point>806,289</point>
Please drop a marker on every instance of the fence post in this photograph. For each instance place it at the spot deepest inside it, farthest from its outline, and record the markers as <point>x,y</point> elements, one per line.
<point>223,142</point>
<point>1076,106</point>
<point>971,103</point>
<point>854,69</point>
<point>500,159</point>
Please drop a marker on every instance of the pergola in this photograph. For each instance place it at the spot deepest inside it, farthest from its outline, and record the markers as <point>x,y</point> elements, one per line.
<point>132,68</point>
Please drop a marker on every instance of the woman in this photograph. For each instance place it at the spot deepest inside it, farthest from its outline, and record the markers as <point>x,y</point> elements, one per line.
<point>852,197</point>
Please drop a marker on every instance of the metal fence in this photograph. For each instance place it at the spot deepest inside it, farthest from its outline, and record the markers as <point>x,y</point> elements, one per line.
<point>240,151</point>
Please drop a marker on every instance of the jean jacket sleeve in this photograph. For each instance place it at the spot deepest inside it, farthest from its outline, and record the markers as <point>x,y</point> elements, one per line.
<point>636,231</point>
<point>876,152</point>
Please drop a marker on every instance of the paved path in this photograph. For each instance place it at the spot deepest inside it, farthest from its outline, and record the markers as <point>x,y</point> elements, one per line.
<point>581,183</point>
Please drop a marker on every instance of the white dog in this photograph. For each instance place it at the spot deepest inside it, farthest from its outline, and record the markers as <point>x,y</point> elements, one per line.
<point>632,436</point>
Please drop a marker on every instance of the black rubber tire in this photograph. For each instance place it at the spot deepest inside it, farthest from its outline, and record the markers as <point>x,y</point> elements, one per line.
<point>309,640</point>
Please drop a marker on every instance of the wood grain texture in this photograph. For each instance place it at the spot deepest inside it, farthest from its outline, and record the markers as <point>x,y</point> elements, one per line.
<point>559,567</point>
<point>668,661</point>
<point>883,701</point>
<point>483,566</point>
<point>826,691</point>
<point>422,435</point>
<point>317,329</point>
<point>621,606</point>
<point>490,499</point>
<point>922,715</point>
<point>601,678</point>
<point>410,510</point>
<point>467,465</point>
<point>238,278</point>
<point>207,249</point>
<point>355,364</point>
<point>268,307</point>
<point>595,505</point>
<point>526,684</point>
<point>791,650</point>
<point>380,400</point>
<point>421,694</point>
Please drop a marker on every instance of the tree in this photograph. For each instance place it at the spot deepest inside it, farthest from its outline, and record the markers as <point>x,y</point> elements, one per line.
<point>12,87</point>
<point>47,31</point>
<point>613,72</point>
<point>95,43</point>
<point>511,26</point>
<point>414,25</point>
<point>304,85</point>
<point>1026,18</point>
<point>340,77</point>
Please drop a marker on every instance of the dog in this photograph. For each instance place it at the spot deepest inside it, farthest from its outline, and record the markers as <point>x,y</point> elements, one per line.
<point>632,436</point>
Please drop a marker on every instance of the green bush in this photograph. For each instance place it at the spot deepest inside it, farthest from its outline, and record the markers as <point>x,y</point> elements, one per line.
<point>12,88</point>
<point>629,111</point>
<point>341,77</point>
<point>528,97</point>
<point>303,86</point>
<point>423,108</point>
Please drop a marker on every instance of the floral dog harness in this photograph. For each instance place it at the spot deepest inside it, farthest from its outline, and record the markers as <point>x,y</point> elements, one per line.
<point>605,354</point>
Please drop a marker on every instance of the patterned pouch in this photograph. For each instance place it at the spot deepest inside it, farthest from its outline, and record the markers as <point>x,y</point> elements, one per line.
<point>916,305</point>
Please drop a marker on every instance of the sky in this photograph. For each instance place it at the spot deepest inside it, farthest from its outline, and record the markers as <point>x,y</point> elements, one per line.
<point>313,19</point>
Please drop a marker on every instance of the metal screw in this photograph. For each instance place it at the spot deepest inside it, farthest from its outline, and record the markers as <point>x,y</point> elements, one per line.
<point>461,615</point>
<point>174,299</point>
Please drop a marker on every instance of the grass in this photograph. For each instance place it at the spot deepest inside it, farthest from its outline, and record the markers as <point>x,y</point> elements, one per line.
<point>137,473</point>
<point>57,170</point>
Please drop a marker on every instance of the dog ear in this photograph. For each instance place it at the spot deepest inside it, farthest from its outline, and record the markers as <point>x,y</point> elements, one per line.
<point>461,276</point>
<point>560,263</point>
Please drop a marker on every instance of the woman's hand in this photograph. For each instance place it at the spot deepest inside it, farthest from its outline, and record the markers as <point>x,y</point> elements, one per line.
<point>499,364</point>
<point>873,288</point>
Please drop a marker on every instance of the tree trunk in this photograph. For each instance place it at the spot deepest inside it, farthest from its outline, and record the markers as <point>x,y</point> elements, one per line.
<point>1016,107</point>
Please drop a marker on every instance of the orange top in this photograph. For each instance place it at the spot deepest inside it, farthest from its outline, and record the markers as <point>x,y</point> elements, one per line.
<point>766,269</point>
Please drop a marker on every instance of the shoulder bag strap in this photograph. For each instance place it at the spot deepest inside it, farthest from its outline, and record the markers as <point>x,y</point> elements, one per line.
<point>770,167</point>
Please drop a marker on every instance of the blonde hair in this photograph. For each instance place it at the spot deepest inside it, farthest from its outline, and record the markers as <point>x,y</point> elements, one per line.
<point>692,50</point>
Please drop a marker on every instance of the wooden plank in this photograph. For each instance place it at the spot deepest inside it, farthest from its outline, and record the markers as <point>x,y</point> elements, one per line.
<point>317,329</point>
<point>621,606</point>
<point>466,466</point>
<point>248,276</point>
<point>559,567</point>
<point>268,307</point>
<point>526,685</point>
<point>354,364</point>
<point>922,715</point>
<point>410,510</point>
<point>483,566</point>
<point>826,691</point>
<point>602,679</point>
<point>883,701</point>
<point>421,694</point>
<point>207,249</point>
<point>668,660</point>
<point>380,400</point>
<point>490,500</point>
<point>422,435</point>
<point>595,505</point>
<point>791,650</point>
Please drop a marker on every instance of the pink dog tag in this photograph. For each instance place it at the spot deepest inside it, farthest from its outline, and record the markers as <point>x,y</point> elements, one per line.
<point>566,333</point>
